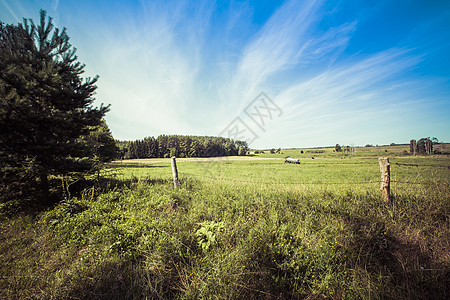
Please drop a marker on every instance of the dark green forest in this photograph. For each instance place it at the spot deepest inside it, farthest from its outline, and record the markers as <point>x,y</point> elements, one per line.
<point>181,146</point>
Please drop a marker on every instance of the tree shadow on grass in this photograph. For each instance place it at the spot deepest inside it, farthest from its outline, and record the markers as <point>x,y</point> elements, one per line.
<point>399,265</point>
<point>31,203</point>
<point>121,278</point>
<point>387,258</point>
<point>135,166</point>
<point>109,280</point>
<point>109,183</point>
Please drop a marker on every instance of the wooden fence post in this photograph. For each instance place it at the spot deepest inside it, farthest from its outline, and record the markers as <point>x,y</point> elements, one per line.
<point>385,179</point>
<point>176,183</point>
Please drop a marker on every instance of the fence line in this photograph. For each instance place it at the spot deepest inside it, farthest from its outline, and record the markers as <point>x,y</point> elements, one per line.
<point>143,165</point>
<point>414,165</point>
<point>383,164</point>
<point>306,183</point>
<point>428,182</point>
<point>336,163</point>
<point>275,183</point>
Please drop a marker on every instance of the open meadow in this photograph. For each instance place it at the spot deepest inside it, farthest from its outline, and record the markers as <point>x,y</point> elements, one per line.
<point>240,227</point>
<point>137,167</point>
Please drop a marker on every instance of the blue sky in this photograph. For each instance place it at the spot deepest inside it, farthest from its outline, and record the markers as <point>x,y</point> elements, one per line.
<point>347,72</point>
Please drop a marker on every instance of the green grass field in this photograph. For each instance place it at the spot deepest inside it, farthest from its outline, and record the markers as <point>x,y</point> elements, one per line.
<point>374,151</point>
<point>250,227</point>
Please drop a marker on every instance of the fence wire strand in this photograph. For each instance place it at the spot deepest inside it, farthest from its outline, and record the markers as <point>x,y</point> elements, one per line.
<point>306,183</point>
<point>415,165</point>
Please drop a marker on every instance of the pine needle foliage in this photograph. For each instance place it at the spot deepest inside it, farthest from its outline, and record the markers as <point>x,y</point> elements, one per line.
<point>45,106</point>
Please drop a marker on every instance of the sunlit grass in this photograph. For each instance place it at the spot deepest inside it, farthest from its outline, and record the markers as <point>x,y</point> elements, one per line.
<point>316,230</point>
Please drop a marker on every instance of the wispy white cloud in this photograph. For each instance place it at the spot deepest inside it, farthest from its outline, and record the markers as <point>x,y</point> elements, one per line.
<point>55,4</point>
<point>358,92</point>
<point>191,67</point>
<point>274,48</point>
<point>149,69</point>
<point>171,87</point>
<point>287,43</point>
<point>336,93</point>
<point>13,10</point>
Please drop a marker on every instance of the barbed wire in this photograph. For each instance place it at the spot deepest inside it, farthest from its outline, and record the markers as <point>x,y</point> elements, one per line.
<point>309,183</point>
<point>312,183</point>
<point>335,163</point>
<point>407,182</point>
<point>316,183</point>
<point>366,163</point>
<point>415,165</point>
<point>145,165</point>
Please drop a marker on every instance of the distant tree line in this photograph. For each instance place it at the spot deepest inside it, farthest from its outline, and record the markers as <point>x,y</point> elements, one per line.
<point>272,151</point>
<point>181,146</point>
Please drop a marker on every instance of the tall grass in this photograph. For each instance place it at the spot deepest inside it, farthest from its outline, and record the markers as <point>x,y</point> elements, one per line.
<point>247,229</point>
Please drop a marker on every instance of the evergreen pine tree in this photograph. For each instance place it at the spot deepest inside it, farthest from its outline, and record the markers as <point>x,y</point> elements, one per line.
<point>45,104</point>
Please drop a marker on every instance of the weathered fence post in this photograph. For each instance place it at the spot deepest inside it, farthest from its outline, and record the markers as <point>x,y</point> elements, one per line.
<point>176,183</point>
<point>385,179</point>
